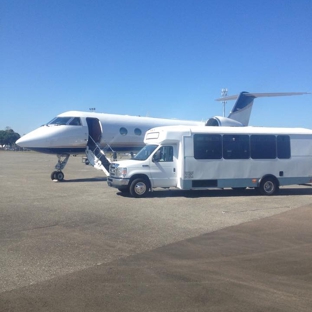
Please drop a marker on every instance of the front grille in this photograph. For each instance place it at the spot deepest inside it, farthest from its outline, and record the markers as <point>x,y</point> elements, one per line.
<point>112,169</point>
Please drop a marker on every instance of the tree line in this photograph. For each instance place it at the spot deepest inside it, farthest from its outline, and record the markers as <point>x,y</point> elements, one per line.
<point>8,137</point>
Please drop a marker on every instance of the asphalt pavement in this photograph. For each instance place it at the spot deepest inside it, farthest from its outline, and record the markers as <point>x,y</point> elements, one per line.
<point>79,245</point>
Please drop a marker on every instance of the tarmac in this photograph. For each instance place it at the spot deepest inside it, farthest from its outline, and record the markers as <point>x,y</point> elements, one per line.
<point>80,245</point>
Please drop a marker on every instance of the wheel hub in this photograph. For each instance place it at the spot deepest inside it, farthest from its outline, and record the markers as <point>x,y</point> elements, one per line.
<point>269,186</point>
<point>140,188</point>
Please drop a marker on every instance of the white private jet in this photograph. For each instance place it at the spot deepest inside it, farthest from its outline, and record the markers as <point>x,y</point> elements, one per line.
<point>90,134</point>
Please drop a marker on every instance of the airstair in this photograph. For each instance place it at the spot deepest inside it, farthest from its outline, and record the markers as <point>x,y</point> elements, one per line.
<point>96,157</point>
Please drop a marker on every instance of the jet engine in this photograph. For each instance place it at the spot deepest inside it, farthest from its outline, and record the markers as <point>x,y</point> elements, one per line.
<point>219,121</point>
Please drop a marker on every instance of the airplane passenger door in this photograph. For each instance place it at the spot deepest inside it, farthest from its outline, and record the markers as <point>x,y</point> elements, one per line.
<point>95,131</point>
<point>163,167</point>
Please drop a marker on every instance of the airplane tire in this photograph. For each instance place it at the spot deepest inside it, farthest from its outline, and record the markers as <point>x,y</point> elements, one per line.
<point>53,175</point>
<point>139,187</point>
<point>59,176</point>
<point>268,186</point>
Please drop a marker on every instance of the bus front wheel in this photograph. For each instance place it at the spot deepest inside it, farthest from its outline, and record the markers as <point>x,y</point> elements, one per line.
<point>139,187</point>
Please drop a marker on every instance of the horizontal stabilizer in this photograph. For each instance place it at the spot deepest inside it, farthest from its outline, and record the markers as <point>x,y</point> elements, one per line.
<point>242,108</point>
<point>256,95</point>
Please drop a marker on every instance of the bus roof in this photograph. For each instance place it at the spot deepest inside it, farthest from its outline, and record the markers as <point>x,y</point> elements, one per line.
<point>176,132</point>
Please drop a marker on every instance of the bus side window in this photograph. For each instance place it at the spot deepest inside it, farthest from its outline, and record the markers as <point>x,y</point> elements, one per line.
<point>207,146</point>
<point>235,146</point>
<point>283,146</point>
<point>166,154</point>
<point>263,146</point>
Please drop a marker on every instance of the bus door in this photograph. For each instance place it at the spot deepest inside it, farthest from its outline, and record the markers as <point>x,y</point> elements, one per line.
<point>163,167</point>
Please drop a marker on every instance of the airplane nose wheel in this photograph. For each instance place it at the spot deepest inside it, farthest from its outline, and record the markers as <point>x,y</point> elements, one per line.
<point>61,163</point>
<point>57,175</point>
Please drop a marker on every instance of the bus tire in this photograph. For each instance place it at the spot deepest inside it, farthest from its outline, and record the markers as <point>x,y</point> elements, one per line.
<point>139,187</point>
<point>268,186</point>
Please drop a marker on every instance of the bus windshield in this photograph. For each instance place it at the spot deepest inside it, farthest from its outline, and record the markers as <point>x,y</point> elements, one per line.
<point>145,152</point>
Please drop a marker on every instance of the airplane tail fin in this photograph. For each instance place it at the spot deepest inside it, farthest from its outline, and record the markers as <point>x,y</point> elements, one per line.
<point>242,108</point>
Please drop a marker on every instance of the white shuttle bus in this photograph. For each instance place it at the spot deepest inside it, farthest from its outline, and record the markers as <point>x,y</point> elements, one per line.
<point>195,158</point>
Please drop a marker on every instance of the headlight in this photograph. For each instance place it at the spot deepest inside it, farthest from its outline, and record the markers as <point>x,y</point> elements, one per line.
<point>121,172</point>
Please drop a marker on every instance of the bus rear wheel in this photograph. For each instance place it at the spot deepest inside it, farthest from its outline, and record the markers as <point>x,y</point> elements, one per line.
<point>268,186</point>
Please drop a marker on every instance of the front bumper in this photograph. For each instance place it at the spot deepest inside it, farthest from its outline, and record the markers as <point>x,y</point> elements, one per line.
<point>117,182</point>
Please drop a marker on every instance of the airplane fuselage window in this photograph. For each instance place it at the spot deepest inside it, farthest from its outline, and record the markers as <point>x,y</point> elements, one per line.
<point>137,131</point>
<point>123,131</point>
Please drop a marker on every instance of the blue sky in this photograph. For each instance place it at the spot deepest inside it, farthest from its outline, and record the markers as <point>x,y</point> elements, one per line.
<point>165,58</point>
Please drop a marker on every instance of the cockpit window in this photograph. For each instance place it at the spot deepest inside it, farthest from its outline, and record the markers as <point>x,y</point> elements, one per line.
<point>61,121</point>
<point>75,122</point>
<point>58,121</point>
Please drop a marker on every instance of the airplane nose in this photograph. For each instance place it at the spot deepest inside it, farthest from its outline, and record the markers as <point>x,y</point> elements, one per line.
<point>31,139</point>
<point>21,142</point>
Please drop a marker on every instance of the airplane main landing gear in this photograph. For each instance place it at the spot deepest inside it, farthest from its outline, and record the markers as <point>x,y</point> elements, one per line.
<point>61,163</point>
<point>57,175</point>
